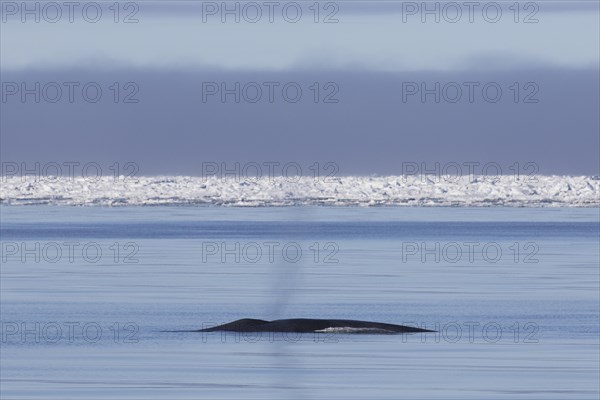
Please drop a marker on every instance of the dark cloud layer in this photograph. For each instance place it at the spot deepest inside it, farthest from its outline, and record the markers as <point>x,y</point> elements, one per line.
<point>370,130</point>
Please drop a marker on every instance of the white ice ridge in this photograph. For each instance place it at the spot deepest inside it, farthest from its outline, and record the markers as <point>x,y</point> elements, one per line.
<point>539,191</point>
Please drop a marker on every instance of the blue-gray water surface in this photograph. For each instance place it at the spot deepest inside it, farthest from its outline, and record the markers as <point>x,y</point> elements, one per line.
<point>89,295</point>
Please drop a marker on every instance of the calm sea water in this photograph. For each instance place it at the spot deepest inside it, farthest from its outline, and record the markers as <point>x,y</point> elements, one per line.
<point>88,293</point>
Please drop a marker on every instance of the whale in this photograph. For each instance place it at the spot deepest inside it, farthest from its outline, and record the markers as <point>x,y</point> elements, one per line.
<point>311,325</point>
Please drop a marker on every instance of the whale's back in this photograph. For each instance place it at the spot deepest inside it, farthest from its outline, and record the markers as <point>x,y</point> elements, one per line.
<point>308,325</point>
<point>241,325</point>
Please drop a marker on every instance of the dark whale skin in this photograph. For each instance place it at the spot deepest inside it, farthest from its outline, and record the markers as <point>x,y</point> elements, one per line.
<point>310,325</point>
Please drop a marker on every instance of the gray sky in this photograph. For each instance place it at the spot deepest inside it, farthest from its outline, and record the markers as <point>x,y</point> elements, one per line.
<point>375,62</point>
